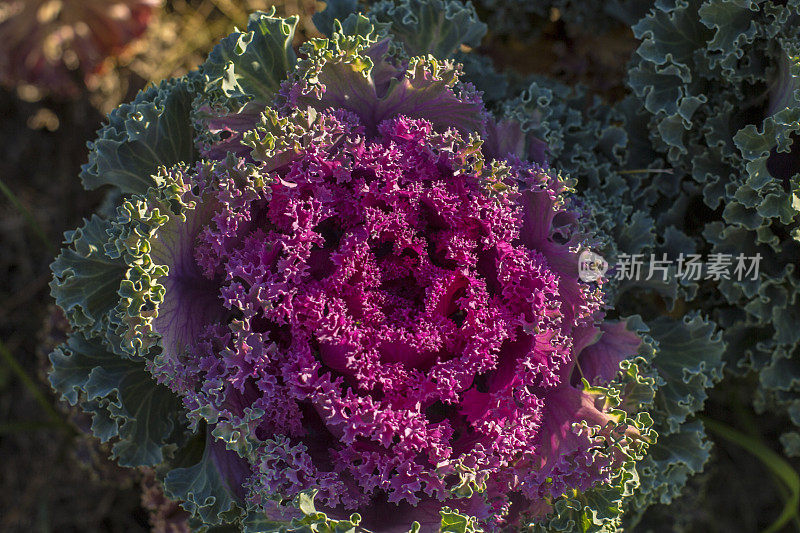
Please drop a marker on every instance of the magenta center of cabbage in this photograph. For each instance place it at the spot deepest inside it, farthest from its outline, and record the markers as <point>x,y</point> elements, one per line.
<point>393,312</point>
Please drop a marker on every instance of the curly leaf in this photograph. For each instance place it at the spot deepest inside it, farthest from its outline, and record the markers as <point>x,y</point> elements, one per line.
<point>689,359</point>
<point>334,10</point>
<point>211,488</point>
<point>85,280</point>
<point>671,461</point>
<point>128,406</point>
<point>251,65</point>
<point>152,131</point>
<point>436,27</point>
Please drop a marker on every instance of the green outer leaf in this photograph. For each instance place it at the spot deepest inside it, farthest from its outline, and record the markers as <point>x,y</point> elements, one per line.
<point>85,280</point>
<point>689,359</point>
<point>154,130</point>
<point>127,403</point>
<point>670,462</point>
<point>435,27</point>
<point>334,10</point>
<point>599,509</point>
<point>251,65</point>
<point>203,490</point>
<point>731,22</point>
<point>595,511</point>
<point>316,521</point>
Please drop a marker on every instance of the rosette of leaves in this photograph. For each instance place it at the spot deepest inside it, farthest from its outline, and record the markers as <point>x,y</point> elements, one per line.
<point>60,45</point>
<point>336,293</point>
<point>717,80</point>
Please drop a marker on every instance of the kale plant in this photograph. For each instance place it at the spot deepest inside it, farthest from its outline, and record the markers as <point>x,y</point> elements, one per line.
<point>343,288</point>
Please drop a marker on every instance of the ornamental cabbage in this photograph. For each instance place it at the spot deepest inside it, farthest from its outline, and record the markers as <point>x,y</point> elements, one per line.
<point>340,283</point>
